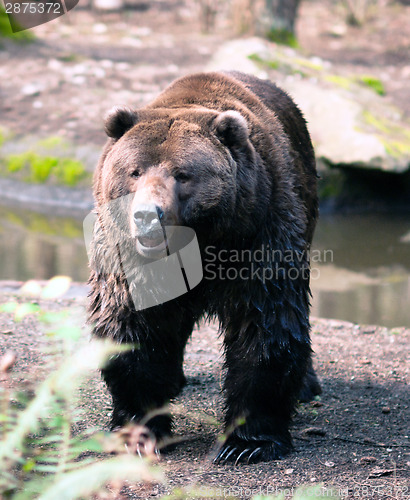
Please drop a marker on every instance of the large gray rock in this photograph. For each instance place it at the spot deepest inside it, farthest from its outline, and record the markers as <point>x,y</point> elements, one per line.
<point>350,123</point>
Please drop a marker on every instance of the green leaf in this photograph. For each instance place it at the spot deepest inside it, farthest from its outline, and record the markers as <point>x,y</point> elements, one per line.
<point>85,481</point>
<point>46,468</point>
<point>56,287</point>
<point>68,332</point>
<point>9,307</point>
<point>31,288</point>
<point>25,309</point>
<point>29,465</point>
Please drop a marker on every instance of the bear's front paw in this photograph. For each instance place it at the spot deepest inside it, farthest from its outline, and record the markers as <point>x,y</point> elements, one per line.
<point>251,450</point>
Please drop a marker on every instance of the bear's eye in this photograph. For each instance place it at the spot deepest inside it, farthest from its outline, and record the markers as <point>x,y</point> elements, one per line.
<point>135,174</point>
<point>182,178</point>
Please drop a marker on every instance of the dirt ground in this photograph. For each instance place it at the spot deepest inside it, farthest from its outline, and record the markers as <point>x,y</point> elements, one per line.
<point>353,440</point>
<point>84,63</point>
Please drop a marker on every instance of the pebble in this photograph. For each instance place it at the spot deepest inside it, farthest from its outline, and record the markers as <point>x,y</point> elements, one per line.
<point>78,80</point>
<point>131,42</point>
<point>31,89</point>
<point>79,69</point>
<point>100,28</point>
<point>99,72</point>
<point>54,64</point>
<point>106,63</point>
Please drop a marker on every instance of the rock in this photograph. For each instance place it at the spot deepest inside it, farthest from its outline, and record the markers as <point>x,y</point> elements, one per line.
<point>234,56</point>
<point>32,89</point>
<point>344,130</point>
<point>314,431</point>
<point>351,123</point>
<point>100,28</point>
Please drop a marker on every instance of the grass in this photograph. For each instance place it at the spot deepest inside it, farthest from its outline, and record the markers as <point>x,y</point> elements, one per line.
<point>38,169</point>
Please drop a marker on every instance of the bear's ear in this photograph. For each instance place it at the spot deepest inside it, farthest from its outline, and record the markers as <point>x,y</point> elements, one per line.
<point>119,120</point>
<point>231,128</point>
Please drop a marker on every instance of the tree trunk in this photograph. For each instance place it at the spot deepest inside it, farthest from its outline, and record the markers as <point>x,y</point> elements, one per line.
<point>280,15</point>
<point>274,19</point>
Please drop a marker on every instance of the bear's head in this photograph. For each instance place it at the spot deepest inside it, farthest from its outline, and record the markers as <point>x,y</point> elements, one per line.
<point>176,168</point>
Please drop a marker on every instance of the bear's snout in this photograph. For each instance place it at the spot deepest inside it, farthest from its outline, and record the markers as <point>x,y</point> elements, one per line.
<point>147,219</point>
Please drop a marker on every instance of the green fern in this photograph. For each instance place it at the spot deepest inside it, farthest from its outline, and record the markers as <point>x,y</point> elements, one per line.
<point>40,457</point>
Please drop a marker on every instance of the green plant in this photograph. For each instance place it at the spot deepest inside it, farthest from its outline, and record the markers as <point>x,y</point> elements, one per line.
<point>258,59</point>
<point>34,167</point>
<point>6,31</point>
<point>41,167</point>
<point>40,457</point>
<point>70,172</point>
<point>283,37</point>
<point>374,83</point>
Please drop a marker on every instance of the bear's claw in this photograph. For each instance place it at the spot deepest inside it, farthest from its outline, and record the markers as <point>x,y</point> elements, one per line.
<point>238,451</point>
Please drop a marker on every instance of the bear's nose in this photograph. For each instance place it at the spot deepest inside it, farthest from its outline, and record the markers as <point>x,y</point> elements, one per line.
<point>147,218</point>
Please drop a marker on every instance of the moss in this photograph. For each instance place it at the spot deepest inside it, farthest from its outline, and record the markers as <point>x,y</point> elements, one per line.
<point>341,81</point>
<point>308,64</point>
<point>271,64</point>
<point>395,138</point>
<point>69,57</point>
<point>374,83</point>
<point>375,122</point>
<point>396,149</point>
<point>36,168</point>
<point>6,31</point>
<point>282,37</point>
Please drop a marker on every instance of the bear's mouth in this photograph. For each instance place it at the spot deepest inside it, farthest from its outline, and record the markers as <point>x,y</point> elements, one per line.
<point>152,240</point>
<point>153,244</point>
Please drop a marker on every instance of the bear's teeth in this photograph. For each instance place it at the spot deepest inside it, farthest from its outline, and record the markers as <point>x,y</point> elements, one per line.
<point>151,241</point>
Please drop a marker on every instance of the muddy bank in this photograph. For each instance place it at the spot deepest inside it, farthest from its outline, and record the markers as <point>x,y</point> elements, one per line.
<point>55,200</point>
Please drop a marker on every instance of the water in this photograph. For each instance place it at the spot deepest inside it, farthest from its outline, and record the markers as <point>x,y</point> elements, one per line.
<point>361,263</point>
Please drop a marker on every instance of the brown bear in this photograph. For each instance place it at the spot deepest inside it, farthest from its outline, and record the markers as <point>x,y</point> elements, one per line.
<point>229,156</point>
